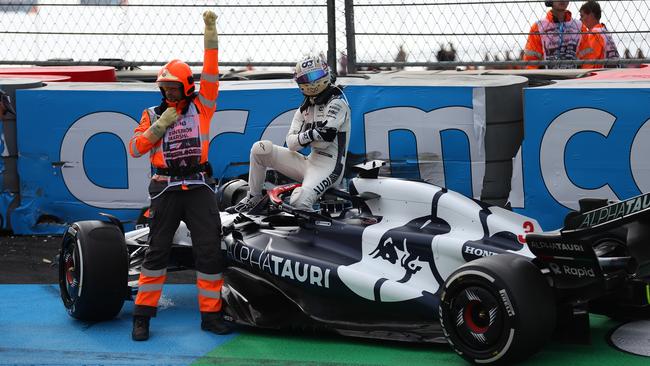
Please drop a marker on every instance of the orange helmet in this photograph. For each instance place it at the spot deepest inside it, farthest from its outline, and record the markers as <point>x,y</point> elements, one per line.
<point>177,71</point>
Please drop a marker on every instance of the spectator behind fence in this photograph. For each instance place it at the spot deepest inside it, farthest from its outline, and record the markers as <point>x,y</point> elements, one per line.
<point>596,42</point>
<point>343,64</point>
<point>640,56</point>
<point>554,38</point>
<point>400,57</point>
<point>628,56</point>
<point>444,55</point>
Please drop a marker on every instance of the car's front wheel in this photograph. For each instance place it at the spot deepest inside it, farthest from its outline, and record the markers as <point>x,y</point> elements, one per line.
<point>497,310</point>
<point>93,270</point>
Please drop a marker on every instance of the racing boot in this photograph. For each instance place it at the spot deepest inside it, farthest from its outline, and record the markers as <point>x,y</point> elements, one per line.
<point>245,205</point>
<point>140,328</point>
<point>213,322</point>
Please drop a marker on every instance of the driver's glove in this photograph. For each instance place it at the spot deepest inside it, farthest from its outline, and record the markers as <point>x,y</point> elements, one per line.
<point>324,134</point>
<point>317,134</point>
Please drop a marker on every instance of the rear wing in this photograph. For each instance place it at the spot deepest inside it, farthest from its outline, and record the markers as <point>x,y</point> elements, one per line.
<point>572,262</point>
<point>615,214</point>
<point>569,253</point>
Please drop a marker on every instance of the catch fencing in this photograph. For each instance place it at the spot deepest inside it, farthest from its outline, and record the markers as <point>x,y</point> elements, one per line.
<point>352,34</point>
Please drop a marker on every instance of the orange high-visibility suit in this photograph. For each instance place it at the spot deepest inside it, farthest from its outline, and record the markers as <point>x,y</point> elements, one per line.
<point>550,40</point>
<point>182,187</point>
<point>596,44</point>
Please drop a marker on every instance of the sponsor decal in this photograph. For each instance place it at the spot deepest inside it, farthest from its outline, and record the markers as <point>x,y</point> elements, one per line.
<point>477,252</point>
<point>325,183</point>
<point>334,110</point>
<point>616,211</point>
<point>506,302</point>
<point>579,272</point>
<point>280,267</point>
<point>565,247</point>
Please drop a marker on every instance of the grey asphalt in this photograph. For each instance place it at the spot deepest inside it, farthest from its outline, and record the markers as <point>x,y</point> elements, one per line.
<point>30,259</point>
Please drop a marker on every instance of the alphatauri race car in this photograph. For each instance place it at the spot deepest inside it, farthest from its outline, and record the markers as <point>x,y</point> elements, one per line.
<point>393,259</point>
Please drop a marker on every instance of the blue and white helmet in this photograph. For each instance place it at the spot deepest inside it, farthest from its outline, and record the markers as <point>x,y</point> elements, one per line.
<point>312,75</point>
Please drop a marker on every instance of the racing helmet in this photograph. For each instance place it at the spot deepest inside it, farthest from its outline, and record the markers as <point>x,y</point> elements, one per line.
<point>177,72</point>
<point>312,75</point>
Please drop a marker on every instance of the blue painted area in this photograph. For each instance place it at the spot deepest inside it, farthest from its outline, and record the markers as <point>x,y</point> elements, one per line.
<point>591,159</point>
<point>457,161</point>
<point>403,154</point>
<point>37,330</point>
<point>99,146</point>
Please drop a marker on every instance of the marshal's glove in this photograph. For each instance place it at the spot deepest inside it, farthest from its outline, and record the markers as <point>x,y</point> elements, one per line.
<point>168,117</point>
<point>165,120</point>
<point>210,37</point>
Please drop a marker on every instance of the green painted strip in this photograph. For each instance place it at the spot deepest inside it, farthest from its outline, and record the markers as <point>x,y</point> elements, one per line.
<point>647,293</point>
<point>255,347</point>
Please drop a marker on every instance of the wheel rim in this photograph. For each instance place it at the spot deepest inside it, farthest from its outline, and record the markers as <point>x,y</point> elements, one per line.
<point>70,275</point>
<point>479,319</point>
<point>69,268</point>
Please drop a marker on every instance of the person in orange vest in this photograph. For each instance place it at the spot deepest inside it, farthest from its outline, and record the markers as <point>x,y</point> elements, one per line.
<point>596,43</point>
<point>176,136</point>
<point>554,38</point>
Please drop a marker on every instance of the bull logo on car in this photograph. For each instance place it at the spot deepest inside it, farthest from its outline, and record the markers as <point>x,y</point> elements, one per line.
<point>399,253</point>
<point>397,262</point>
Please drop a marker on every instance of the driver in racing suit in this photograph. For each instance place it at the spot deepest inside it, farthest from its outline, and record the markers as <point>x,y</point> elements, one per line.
<point>323,123</point>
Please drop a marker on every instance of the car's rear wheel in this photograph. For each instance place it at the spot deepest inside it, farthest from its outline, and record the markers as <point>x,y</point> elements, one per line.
<point>93,270</point>
<point>497,310</point>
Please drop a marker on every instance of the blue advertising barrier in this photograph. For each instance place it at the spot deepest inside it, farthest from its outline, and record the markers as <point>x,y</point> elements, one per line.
<point>73,140</point>
<point>583,139</point>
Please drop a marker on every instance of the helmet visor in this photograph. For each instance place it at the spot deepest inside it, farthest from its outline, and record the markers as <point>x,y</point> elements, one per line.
<point>311,76</point>
<point>170,84</point>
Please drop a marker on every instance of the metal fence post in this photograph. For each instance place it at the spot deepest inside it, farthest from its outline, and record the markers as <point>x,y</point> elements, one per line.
<point>331,35</point>
<point>350,35</point>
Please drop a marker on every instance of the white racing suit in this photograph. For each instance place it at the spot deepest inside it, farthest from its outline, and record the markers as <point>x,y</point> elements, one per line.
<point>322,168</point>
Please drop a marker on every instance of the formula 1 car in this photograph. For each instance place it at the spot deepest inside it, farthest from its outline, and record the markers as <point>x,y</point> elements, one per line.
<point>393,259</point>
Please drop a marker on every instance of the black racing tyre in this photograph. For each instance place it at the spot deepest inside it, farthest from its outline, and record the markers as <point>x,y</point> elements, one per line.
<point>231,193</point>
<point>497,310</point>
<point>93,270</point>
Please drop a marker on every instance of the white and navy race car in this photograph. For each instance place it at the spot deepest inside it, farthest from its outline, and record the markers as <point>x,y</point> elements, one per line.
<point>393,259</point>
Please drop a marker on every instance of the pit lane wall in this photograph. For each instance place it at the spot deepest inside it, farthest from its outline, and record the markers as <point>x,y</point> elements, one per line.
<point>458,131</point>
